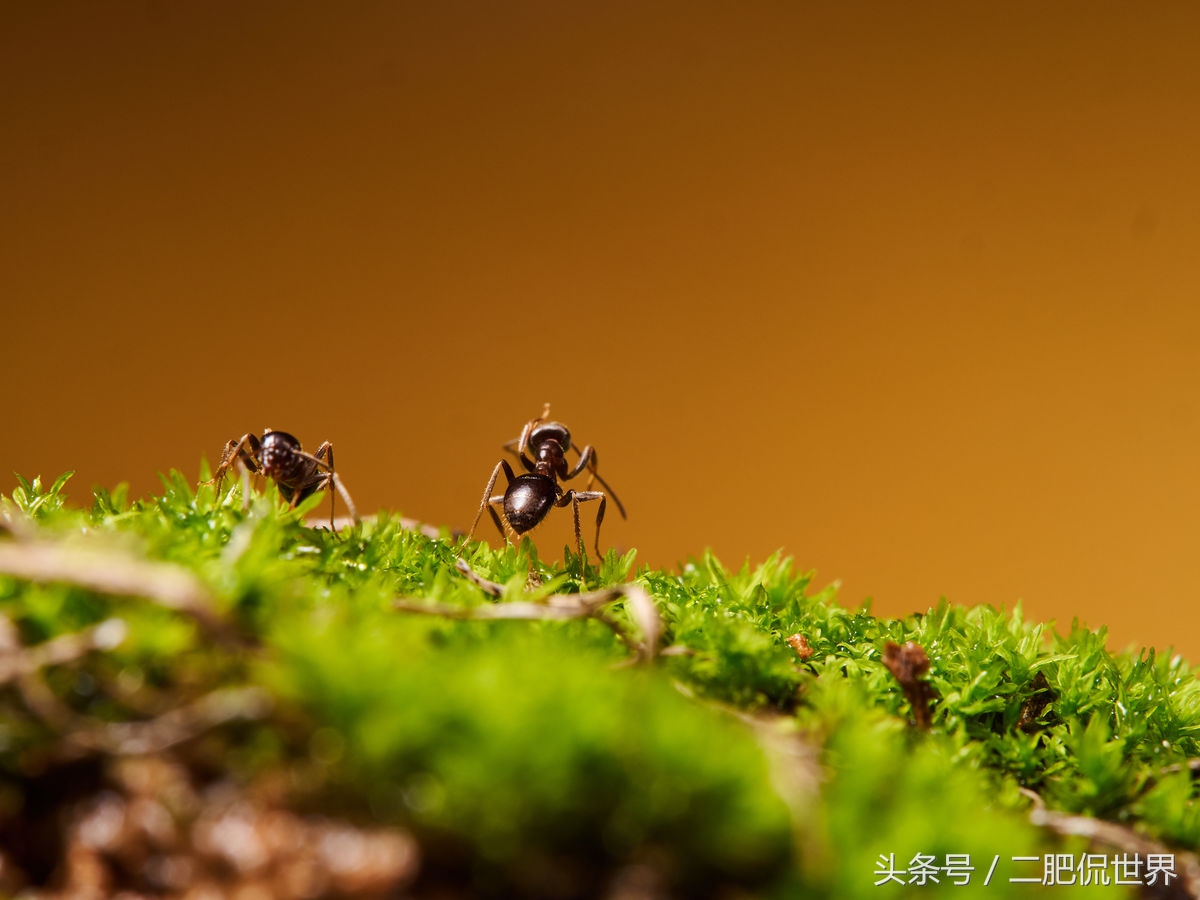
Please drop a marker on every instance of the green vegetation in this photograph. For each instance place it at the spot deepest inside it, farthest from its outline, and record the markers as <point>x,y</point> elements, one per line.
<point>503,729</point>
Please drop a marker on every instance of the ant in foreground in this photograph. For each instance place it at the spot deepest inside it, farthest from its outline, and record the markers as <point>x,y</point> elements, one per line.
<point>279,456</point>
<point>530,496</point>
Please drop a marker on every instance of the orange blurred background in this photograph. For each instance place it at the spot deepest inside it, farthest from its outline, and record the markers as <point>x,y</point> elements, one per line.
<point>909,291</point>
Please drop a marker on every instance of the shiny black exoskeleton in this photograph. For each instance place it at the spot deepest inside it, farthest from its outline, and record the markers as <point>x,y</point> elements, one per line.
<point>280,457</point>
<point>529,497</point>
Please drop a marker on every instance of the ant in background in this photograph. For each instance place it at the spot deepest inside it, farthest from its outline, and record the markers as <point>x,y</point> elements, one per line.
<point>530,496</point>
<point>279,456</point>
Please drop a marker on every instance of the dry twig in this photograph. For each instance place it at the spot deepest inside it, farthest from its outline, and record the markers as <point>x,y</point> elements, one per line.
<point>341,522</point>
<point>116,574</point>
<point>557,607</point>
<point>17,662</point>
<point>1110,834</point>
<point>175,726</point>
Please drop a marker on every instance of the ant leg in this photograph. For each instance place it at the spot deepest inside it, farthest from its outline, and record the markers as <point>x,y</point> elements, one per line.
<point>323,457</point>
<point>511,447</point>
<point>589,460</point>
<point>518,446</point>
<point>233,452</point>
<point>228,454</point>
<point>486,501</point>
<point>496,518</point>
<point>575,498</point>
<point>341,489</point>
<point>319,457</point>
<point>583,496</point>
<point>236,452</point>
<point>572,497</point>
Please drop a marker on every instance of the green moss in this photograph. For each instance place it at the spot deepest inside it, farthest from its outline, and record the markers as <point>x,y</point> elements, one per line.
<point>513,749</point>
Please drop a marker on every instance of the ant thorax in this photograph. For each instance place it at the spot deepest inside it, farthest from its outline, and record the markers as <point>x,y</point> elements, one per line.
<point>549,458</point>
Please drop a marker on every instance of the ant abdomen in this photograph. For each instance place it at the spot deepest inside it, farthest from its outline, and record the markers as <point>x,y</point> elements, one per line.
<point>527,501</point>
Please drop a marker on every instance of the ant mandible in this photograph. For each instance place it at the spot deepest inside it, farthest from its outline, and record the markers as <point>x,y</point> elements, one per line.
<point>280,457</point>
<point>530,496</point>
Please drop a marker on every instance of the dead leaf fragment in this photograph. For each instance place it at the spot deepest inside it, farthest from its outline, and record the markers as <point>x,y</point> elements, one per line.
<point>799,643</point>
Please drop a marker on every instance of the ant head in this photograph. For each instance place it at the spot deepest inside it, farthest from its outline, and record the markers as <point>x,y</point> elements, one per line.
<point>550,431</point>
<point>282,458</point>
<point>279,441</point>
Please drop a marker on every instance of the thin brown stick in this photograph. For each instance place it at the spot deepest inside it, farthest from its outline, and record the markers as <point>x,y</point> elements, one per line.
<point>340,522</point>
<point>492,588</point>
<point>1111,834</point>
<point>16,661</point>
<point>81,734</point>
<point>556,607</point>
<point>1191,765</point>
<point>177,725</point>
<point>116,574</point>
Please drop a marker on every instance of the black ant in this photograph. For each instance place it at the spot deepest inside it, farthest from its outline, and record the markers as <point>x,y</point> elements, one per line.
<point>279,456</point>
<point>531,495</point>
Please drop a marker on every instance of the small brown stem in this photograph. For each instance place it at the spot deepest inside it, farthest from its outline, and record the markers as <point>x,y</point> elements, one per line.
<point>491,588</point>
<point>908,664</point>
